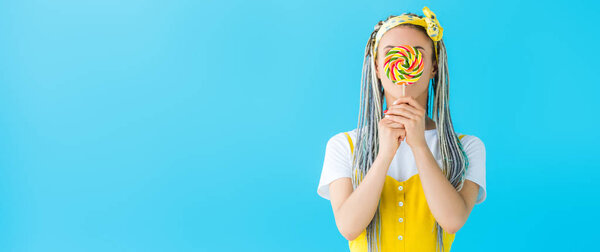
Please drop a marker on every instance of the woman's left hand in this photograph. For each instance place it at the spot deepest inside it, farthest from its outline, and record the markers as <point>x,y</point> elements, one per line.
<point>407,111</point>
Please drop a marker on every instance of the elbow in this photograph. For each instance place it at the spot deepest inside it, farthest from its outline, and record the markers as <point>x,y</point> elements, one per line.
<point>348,233</point>
<point>452,228</point>
<point>347,226</point>
<point>452,225</point>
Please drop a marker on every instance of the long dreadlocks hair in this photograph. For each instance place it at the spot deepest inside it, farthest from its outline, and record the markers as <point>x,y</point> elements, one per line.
<point>454,159</point>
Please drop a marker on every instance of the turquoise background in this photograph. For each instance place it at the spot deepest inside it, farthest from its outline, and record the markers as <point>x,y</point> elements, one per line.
<point>202,125</point>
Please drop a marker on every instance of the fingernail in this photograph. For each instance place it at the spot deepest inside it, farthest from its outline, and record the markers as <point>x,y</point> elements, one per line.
<point>385,111</point>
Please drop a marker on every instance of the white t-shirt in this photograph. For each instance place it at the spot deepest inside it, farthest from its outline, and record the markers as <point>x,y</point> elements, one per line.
<point>338,163</point>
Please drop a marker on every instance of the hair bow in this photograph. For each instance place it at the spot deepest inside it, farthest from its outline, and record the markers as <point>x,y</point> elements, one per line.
<point>434,29</point>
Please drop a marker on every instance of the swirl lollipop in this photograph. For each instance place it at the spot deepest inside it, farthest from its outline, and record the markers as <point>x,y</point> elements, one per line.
<point>404,65</point>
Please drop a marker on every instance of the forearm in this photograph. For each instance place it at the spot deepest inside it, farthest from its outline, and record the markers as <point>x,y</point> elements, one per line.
<point>446,204</point>
<point>358,209</point>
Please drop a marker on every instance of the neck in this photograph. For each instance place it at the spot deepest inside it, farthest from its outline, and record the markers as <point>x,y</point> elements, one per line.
<point>421,99</point>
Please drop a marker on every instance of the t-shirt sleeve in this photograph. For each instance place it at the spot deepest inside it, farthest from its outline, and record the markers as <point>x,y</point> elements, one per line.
<point>337,163</point>
<point>475,150</point>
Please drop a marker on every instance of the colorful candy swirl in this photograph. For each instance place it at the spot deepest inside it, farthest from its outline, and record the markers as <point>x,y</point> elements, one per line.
<point>404,65</point>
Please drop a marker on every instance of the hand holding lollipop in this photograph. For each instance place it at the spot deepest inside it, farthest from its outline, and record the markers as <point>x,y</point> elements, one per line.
<point>404,65</point>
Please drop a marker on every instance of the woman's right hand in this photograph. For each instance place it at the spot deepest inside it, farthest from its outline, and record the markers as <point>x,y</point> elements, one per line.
<point>391,134</point>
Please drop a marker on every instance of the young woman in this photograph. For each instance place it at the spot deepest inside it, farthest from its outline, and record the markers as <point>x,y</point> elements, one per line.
<point>403,181</point>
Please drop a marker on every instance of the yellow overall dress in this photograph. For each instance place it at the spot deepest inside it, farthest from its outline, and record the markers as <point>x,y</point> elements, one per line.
<point>406,221</point>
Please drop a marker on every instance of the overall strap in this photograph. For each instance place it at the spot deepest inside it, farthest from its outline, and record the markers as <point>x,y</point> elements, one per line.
<point>352,152</point>
<point>350,141</point>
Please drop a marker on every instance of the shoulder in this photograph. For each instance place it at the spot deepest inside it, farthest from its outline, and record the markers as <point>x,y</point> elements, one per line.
<point>471,143</point>
<point>341,141</point>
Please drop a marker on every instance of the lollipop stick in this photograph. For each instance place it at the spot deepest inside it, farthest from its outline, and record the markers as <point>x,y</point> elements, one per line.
<point>403,90</point>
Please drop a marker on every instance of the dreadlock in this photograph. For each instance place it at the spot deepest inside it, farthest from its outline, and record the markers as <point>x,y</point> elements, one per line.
<point>454,159</point>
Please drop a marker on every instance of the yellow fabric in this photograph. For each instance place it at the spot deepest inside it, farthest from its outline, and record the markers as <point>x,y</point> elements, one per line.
<point>350,141</point>
<point>417,227</point>
<point>429,22</point>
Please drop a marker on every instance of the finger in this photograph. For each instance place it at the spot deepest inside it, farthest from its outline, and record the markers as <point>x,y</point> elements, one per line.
<point>408,99</point>
<point>417,112</point>
<point>402,135</point>
<point>406,111</point>
<point>391,123</point>
<point>398,118</point>
<point>395,125</point>
<point>400,132</point>
<point>403,120</point>
<point>405,106</point>
<point>386,122</point>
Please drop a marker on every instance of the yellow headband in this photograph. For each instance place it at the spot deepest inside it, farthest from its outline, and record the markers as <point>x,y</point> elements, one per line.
<point>434,30</point>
